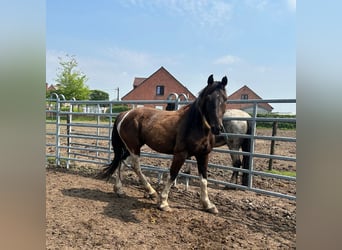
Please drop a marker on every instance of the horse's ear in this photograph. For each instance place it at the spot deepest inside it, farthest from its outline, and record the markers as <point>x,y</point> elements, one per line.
<point>224,81</point>
<point>210,79</point>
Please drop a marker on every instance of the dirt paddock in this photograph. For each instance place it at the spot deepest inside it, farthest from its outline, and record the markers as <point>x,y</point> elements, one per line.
<point>82,212</point>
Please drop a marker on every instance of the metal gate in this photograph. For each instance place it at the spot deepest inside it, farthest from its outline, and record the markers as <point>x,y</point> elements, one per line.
<point>79,133</point>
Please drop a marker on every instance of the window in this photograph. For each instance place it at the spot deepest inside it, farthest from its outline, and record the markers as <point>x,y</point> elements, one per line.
<point>244,97</point>
<point>160,90</point>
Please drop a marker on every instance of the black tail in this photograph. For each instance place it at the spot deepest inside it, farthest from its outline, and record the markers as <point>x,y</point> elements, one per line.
<point>120,154</point>
<point>246,146</point>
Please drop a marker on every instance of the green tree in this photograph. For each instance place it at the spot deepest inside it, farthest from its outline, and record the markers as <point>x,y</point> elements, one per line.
<point>71,82</point>
<point>98,95</point>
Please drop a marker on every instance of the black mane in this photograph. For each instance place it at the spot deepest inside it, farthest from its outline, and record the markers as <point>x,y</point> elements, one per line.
<point>195,116</point>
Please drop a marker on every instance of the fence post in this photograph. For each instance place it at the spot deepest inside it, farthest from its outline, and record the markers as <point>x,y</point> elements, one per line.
<point>98,121</point>
<point>69,121</point>
<point>58,120</point>
<point>109,130</point>
<point>252,145</point>
<point>68,127</point>
<point>274,133</point>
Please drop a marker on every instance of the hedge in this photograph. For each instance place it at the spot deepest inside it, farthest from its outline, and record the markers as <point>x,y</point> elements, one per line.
<point>281,125</point>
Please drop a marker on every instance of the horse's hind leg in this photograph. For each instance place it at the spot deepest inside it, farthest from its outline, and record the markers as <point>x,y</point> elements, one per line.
<point>236,164</point>
<point>151,192</point>
<point>234,144</point>
<point>187,166</point>
<point>245,165</point>
<point>163,204</point>
<point>117,188</point>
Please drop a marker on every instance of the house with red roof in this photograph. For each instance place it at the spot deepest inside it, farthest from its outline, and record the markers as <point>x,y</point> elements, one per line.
<point>245,93</point>
<point>157,86</point>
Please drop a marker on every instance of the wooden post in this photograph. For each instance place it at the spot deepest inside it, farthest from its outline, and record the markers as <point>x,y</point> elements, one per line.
<point>274,133</point>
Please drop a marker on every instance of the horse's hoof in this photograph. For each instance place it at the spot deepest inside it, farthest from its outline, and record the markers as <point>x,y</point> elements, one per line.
<point>152,196</point>
<point>120,195</point>
<point>165,208</point>
<point>212,210</point>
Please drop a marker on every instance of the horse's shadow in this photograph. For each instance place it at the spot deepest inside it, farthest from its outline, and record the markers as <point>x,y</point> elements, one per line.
<point>117,207</point>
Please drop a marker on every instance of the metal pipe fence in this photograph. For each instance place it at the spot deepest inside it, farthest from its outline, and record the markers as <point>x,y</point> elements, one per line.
<point>75,137</point>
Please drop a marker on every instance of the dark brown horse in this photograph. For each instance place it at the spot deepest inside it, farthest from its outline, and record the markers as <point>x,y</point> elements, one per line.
<point>234,143</point>
<point>186,132</point>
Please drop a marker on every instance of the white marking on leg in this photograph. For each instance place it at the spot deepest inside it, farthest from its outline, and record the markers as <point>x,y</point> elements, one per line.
<point>135,163</point>
<point>164,205</point>
<point>117,188</point>
<point>207,205</point>
<point>204,192</point>
<point>136,167</point>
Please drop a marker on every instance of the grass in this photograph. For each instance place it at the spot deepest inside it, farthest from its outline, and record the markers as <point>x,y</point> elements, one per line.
<point>286,173</point>
<point>51,160</point>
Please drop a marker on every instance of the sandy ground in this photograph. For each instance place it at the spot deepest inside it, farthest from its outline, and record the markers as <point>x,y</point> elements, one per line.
<point>82,212</point>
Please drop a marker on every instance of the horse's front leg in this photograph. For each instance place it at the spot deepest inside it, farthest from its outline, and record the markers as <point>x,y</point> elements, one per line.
<point>202,164</point>
<point>177,162</point>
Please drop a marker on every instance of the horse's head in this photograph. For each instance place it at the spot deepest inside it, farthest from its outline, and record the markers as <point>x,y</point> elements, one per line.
<point>214,99</point>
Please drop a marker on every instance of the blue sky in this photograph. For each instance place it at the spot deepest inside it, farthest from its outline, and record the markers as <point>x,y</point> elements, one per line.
<point>253,42</point>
